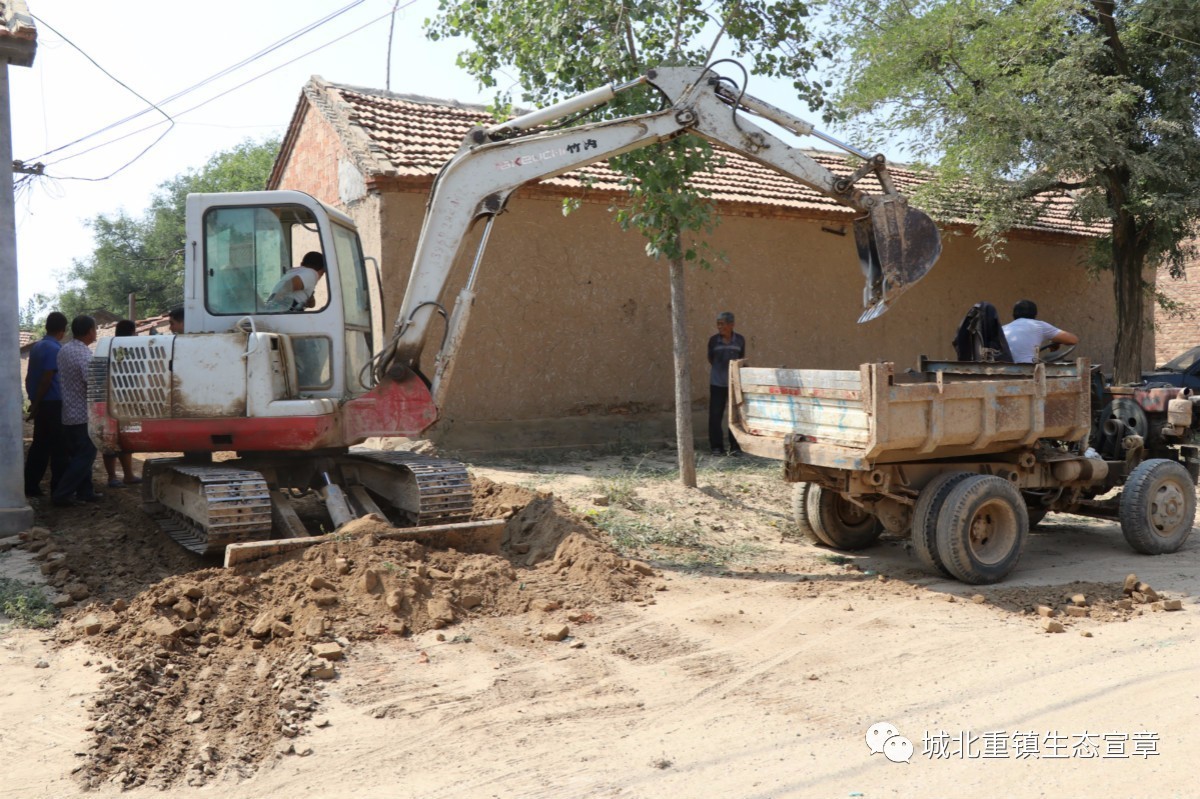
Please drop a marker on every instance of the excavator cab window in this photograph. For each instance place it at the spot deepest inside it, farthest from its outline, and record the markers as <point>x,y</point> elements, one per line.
<point>356,301</point>
<point>246,252</point>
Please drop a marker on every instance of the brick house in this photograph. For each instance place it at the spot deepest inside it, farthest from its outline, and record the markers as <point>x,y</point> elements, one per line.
<point>570,344</point>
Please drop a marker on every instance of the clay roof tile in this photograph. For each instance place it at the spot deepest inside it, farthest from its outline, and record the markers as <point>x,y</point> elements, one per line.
<point>417,135</point>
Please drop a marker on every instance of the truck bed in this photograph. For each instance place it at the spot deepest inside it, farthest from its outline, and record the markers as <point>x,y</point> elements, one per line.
<point>853,419</point>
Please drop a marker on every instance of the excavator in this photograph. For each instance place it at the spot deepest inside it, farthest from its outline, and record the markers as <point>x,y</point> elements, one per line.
<point>292,393</point>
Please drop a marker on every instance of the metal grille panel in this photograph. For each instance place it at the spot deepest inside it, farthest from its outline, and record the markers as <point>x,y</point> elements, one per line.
<point>139,374</point>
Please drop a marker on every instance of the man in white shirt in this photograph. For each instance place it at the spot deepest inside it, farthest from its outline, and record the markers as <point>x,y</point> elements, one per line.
<point>1026,333</point>
<point>294,291</point>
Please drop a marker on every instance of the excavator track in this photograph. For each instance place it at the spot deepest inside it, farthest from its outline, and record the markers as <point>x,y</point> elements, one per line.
<point>443,488</point>
<point>205,508</point>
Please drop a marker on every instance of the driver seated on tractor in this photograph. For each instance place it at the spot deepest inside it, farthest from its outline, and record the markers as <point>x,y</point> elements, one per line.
<point>1026,334</point>
<point>294,291</point>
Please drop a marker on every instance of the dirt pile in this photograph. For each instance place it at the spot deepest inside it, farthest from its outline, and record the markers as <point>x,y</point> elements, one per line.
<point>216,670</point>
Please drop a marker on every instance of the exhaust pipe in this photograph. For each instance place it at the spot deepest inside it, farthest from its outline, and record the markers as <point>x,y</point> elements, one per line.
<point>897,245</point>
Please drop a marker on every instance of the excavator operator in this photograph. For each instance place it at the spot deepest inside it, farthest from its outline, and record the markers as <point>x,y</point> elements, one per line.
<point>294,291</point>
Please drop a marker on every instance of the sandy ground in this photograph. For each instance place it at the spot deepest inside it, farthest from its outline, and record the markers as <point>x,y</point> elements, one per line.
<point>754,670</point>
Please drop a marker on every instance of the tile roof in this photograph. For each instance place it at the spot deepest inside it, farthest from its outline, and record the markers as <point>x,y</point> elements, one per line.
<point>27,339</point>
<point>153,325</point>
<point>407,139</point>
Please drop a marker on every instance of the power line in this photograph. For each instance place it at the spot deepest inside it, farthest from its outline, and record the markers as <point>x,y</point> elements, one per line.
<point>117,80</point>
<point>219,96</point>
<point>222,73</point>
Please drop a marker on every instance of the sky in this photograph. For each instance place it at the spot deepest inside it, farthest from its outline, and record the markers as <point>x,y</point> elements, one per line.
<point>152,50</point>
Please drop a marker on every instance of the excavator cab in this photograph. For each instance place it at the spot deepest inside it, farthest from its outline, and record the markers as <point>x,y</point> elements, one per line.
<point>239,248</point>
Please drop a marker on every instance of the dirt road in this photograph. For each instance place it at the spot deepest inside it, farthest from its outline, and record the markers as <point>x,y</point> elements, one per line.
<point>751,664</point>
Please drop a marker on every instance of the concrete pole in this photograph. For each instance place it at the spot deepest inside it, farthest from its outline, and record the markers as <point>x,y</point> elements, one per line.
<point>15,513</point>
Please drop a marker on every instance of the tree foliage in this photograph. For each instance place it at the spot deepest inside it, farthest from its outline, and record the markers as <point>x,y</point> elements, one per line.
<point>1017,100</point>
<point>556,48</point>
<point>144,255</point>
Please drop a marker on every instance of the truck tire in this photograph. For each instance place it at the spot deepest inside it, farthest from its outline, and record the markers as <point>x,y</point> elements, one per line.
<point>981,529</point>
<point>838,522</point>
<point>1158,506</point>
<point>924,519</point>
<point>800,512</point>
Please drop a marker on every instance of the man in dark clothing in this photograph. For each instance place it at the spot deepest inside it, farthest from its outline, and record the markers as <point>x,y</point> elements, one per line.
<point>45,408</point>
<point>724,347</point>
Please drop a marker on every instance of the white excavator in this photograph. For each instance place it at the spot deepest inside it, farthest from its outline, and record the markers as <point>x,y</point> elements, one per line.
<point>291,392</point>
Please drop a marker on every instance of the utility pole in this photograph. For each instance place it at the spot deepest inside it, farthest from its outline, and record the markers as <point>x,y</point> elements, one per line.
<point>18,44</point>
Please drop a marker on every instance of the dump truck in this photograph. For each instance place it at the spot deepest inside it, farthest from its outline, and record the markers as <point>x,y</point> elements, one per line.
<point>966,457</point>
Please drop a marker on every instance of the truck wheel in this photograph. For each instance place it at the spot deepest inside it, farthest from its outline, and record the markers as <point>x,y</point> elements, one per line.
<point>924,519</point>
<point>839,522</point>
<point>981,529</point>
<point>800,511</point>
<point>1158,506</point>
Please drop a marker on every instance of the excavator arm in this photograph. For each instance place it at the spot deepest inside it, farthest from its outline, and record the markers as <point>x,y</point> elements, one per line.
<point>897,245</point>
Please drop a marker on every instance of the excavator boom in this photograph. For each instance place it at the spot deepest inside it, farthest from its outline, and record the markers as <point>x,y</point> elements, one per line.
<point>897,244</point>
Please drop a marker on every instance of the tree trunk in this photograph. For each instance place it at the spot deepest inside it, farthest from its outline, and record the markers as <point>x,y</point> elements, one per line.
<point>1131,323</point>
<point>1129,260</point>
<point>685,440</point>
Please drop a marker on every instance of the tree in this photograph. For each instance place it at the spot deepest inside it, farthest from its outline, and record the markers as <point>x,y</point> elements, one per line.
<point>32,317</point>
<point>1023,100</point>
<point>559,48</point>
<point>144,255</point>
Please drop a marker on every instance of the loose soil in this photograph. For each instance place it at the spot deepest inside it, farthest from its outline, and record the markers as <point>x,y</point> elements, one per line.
<point>632,638</point>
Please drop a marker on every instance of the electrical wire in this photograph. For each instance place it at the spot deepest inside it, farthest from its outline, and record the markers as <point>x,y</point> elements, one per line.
<point>123,85</point>
<point>210,100</point>
<point>215,76</point>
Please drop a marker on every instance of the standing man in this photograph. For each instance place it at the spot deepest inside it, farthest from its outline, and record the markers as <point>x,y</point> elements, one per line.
<point>125,328</point>
<point>1026,333</point>
<point>175,321</point>
<point>45,409</point>
<point>724,347</point>
<point>75,486</point>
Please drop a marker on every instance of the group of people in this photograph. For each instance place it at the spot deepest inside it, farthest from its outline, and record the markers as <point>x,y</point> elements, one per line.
<point>1025,336</point>
<point>56,383</point>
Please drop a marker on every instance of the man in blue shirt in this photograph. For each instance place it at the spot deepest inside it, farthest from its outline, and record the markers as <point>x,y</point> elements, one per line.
<point>45,408</point>
<point>724,347</point>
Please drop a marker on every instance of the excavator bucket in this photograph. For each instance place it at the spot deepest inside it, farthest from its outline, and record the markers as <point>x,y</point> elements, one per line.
<point>897,245</point>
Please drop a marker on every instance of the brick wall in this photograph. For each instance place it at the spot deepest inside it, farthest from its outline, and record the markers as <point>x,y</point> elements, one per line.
<point>313,165</point>
<point>1174,334</point>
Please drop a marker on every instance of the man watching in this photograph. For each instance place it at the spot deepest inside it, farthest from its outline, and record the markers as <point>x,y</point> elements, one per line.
<point>75,487</point>
<point>45,408</point>
<point>723,347</point>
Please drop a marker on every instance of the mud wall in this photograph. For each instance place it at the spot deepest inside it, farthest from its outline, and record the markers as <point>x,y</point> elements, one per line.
<point>569,343</point>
